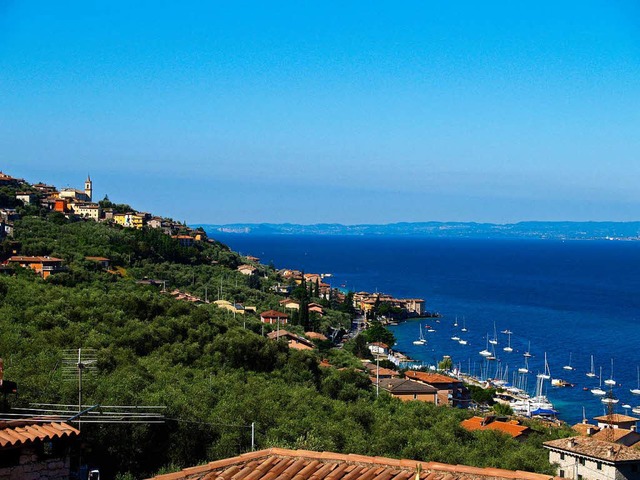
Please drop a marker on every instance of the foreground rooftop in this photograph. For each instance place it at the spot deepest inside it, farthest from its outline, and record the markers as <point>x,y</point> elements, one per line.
<point>306,465</point>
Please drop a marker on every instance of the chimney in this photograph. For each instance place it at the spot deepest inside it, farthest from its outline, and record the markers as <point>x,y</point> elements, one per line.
<point>633,428</point>
<point>610,452</point>
<point>571,443</point>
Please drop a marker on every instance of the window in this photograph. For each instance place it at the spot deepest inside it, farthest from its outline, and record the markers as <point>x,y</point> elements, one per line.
<point>599,465</point>
<point>634,468</point>
<point>581,461</point>
<point>561,473</point>
<point>561,456</point>
<point>579,477</point>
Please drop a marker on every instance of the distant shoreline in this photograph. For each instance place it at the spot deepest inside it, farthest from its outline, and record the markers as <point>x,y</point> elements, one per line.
<point>609,231</point>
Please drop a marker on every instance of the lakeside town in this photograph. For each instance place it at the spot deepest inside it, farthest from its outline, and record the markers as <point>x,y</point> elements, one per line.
<point>607,448</point>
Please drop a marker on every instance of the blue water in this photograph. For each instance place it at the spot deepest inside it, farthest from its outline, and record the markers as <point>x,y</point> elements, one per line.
<point>572,297</point>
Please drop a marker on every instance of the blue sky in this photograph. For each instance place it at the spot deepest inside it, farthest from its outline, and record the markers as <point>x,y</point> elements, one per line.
<point>351,112</point>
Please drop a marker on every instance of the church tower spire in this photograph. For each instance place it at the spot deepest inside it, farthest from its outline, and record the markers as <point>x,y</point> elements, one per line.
<point>88,187</point>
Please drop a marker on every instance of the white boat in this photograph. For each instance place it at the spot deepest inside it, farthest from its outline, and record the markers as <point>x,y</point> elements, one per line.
<point>636,410</point>
<point>568,366</point>
<point>462,342</point>
<point>421,340</point>
<point>546,375</point>
<point>486,352</point>
<point>455,338</point>
<point>527,354</point>
<point>609,400</point>
<point>636,391</point>
<point>464,325</point>
<point>591,373</point>
<point>455,324</point>
<point>508,347</point>
<point>494,340</point>
<point>610,380</point>
<point>598,390</point>
<point>507,332</point>
<point>524,369</point>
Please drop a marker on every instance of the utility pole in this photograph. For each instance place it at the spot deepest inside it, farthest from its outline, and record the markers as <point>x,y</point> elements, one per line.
<point>253,436</point>
<point>377,375</point>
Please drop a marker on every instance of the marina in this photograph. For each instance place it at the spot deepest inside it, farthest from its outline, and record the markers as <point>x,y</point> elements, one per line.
<point>555,297</point>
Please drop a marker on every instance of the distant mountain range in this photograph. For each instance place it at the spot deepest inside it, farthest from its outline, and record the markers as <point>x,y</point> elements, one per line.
<point>541,230</point>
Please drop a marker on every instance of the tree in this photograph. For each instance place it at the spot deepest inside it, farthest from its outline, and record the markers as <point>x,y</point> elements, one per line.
<point>378,333</point>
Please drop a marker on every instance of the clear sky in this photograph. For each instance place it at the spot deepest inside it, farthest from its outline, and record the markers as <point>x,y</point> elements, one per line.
<point>351,112</point>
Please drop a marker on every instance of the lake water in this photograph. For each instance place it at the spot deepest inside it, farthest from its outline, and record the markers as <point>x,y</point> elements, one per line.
<point>568,299</point>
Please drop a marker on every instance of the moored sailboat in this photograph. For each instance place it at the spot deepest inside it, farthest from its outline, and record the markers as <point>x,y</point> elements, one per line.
<point>636,391</point>
<point>508,347</point>
<point>591,373</point>
<point>421,340</point>
<point>568,366</point>
<point>598,390</point>
<point>610,380</point>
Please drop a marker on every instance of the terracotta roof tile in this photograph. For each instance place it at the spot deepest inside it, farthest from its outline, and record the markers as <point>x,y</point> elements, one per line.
<point>21,432</point>
<point>283,464</point>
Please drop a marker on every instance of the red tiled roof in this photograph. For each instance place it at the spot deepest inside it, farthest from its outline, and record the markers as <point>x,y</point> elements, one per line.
<point>315,336</point>
<point>432,378</point>
<point>306,465</point>
<point>19,258</point>
<point>273,314</point>
<point>479,423</point>
<point>616,418</point>
<point>617,434</point>
<point>19,432</point>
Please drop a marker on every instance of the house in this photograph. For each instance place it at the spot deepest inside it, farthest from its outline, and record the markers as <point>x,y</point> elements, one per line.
<point>27,198</point>
<point>86,210</point>
<point>274,317</point>
<point>616,420</point>
<point>43,266</point>
<point>512,428</point>
<point>316,308</point>
<point>307,465</point>
<point>406,390</point>
<point>251,258</point>
<point>295,341</point>
<point>451,391</point>
<point>8,180</point>
<point>185,240</point>
<point>247,269</point>
<point>378,348</point>
<point>45,190</point>
<point>316,336</point>
<point>586,458</point>
<point>61,205</point>
<point>102,261</point>
<point>289,303</point>
<point>376,371</point>
<point>36,449</point>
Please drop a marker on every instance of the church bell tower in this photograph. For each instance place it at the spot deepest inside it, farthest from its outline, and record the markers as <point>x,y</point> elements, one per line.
<point>88,187</point>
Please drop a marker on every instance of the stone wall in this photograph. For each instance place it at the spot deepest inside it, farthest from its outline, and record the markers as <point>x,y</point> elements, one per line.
<point>31,466</point>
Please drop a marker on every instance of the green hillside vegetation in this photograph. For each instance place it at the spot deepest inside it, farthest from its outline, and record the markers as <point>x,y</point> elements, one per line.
<point>214,372</point>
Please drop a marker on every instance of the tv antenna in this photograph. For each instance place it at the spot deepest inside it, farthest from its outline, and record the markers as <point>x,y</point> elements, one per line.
<point>75,363</point>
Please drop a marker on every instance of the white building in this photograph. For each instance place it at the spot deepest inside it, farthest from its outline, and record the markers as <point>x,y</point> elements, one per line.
<point>585,458</point>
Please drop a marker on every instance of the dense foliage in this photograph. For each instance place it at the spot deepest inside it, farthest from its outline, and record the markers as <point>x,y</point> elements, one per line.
<point>215,373</point>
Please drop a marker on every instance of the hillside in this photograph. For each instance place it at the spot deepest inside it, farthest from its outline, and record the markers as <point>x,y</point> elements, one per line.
<point>214,371</point>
